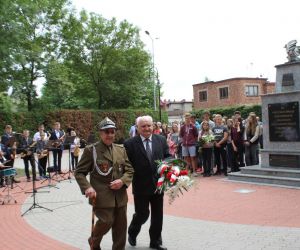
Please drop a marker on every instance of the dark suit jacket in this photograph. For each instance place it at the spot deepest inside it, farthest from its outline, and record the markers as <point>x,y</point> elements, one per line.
<point>54,137</point>
<point>5,138</point>
<point>24,146</point>
<point>145,172</point>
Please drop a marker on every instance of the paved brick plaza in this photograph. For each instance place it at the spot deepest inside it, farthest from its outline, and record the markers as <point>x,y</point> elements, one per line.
<point>217,214</point>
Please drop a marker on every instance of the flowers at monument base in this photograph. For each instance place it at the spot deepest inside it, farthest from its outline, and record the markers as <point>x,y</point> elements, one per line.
<point>173,178</point>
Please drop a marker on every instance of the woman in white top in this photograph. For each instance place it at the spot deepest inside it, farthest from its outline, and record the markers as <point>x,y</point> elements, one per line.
<point>75,150</point>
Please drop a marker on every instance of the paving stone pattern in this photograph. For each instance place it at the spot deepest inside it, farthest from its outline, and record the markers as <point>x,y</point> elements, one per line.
<point>70,222</point>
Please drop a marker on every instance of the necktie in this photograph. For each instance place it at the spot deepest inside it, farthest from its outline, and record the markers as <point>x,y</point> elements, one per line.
<point>148,150</point>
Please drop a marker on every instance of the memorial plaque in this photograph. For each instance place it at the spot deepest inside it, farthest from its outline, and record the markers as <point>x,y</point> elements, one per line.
<point>287,79</point>
<point>288,161</point>
<point>284,121</point>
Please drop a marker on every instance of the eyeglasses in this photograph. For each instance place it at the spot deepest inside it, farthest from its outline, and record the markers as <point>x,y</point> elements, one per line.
<point>109,132</point>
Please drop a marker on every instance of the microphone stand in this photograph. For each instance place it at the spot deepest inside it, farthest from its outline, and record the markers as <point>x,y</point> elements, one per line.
<point>34,188</point>
<point>35,204</point>
<point>69,140</point>
<point>48,169</point>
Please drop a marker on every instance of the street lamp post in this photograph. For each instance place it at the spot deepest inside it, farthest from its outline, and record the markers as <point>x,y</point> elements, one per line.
<point>153,69</point>
<point>159,107</point>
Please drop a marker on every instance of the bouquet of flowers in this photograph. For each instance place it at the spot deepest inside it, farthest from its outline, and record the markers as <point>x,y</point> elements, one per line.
<point>173,178</point>
<point>205,139</point>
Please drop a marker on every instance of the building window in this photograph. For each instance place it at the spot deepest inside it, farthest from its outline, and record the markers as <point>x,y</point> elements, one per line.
<point>251,90</point>
<point>203,96</point>
<point>223,92</point>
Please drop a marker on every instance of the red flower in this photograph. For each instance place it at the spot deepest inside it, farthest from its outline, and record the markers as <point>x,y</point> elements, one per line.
<point>184,172</point>
<point>169,174</point>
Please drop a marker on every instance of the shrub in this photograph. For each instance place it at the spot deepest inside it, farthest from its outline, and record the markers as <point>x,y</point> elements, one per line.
<point>84,121</point>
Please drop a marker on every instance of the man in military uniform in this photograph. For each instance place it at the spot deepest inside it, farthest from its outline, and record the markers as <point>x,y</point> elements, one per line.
<point>110,175</point>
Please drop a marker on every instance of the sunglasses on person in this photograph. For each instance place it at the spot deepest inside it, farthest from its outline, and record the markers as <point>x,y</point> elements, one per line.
<point>109,131</point>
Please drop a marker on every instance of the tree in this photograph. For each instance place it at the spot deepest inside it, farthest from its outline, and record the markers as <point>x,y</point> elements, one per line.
<point>35,25</point>
<point>58,91</point>
<point>111,57</point>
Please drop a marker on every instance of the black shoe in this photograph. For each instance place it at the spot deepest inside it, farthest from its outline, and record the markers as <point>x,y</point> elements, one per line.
<point>131,240</point>
<point>157,246</point>
<point>217,173</point>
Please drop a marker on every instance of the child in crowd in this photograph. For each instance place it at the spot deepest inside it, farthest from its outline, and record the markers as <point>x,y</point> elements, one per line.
<point>207,148</point>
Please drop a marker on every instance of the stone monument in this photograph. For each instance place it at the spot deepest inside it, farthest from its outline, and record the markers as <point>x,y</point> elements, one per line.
<point>280,158</point>
<point>280,112</point>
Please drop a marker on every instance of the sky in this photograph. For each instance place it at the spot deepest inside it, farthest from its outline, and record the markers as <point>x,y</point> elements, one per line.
<point>212,39</point>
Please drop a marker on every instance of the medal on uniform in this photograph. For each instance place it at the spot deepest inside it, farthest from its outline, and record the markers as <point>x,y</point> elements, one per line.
<point>103,167</point>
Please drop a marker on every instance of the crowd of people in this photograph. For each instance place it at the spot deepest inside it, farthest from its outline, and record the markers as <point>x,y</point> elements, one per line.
<point>35,151</point>
<point>210,146</point>
<point>215,142</point>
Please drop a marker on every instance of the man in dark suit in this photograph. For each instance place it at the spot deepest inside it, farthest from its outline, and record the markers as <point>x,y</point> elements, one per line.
<point>58,147</point>
<point>27,154</point>
<point>143,150</point>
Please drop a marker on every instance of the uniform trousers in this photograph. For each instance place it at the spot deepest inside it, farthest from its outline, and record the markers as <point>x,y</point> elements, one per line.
<point>114,218</point>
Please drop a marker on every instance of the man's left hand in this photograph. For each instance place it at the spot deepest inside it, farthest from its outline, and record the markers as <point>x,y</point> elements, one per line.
<point>116,184</point>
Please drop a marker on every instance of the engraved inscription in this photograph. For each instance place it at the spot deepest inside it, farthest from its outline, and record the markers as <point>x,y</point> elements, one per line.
<point>284,121</point>
<point>289,161</point>
<point>288,79</point>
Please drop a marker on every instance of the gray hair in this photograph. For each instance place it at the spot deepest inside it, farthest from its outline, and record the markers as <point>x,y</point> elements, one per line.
<point>144,118</point>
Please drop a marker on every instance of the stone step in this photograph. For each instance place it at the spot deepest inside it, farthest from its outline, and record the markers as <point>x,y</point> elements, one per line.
<point>277,172</point>
<point>265,179</point>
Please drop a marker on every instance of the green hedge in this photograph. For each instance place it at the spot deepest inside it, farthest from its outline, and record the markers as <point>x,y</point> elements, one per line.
<point>229,111</point>
<point>84,121</point>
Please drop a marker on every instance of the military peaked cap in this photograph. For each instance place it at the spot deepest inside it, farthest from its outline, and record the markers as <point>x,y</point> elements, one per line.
<point>106,123</point>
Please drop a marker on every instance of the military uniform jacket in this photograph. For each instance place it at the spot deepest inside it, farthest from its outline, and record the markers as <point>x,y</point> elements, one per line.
<point>97,160</point>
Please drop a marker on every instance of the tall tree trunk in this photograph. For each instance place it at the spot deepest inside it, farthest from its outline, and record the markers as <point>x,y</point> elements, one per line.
<point>100,99</point>
<point>29,101</point>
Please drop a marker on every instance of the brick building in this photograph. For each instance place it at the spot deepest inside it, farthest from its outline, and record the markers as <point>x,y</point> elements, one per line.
<point>231,92</point>
<point>177,109</point>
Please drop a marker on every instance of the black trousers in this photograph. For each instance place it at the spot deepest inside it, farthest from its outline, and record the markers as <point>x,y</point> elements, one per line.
<point>26,160</point>
<point>57,154</point>
<point>42,166</point>
<point>220,153</point>
<point>141,215</point>
<point>207,159</point>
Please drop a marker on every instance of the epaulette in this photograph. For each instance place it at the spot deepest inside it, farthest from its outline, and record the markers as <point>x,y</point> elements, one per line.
<point>119,145</point>
<point>91,145</point>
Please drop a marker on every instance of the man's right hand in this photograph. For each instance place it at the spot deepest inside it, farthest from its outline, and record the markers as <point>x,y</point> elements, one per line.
<point>90,193</point>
